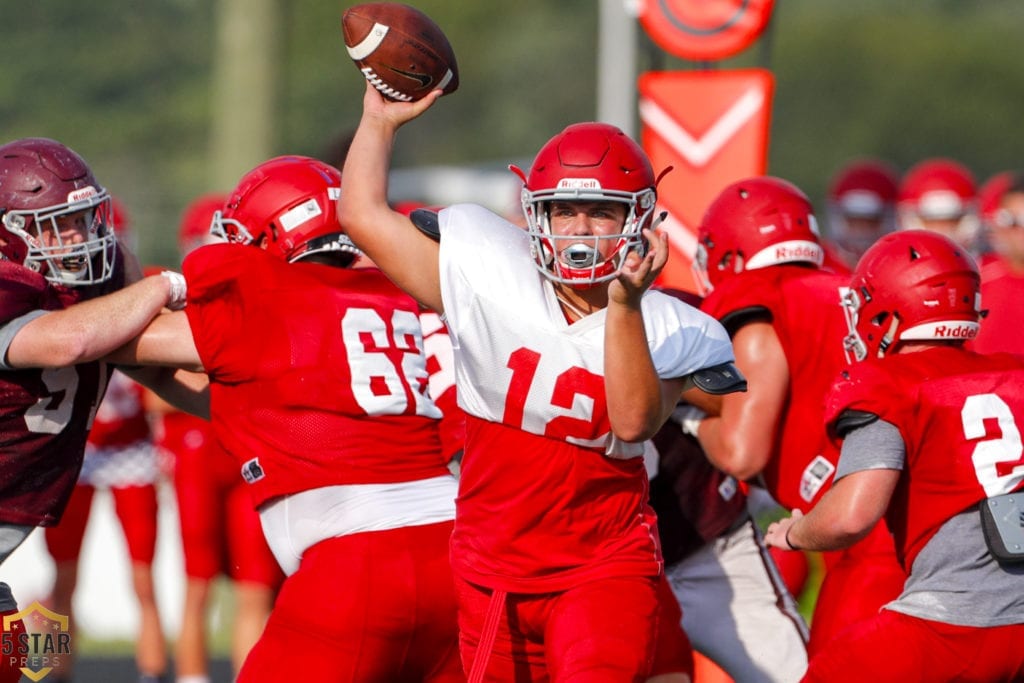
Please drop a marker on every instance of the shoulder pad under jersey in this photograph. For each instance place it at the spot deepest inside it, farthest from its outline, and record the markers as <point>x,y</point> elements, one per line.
<point>718,379</point>
<point>426,221</point>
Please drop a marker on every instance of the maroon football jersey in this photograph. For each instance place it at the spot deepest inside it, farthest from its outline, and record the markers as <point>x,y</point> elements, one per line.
<point>803,305</point>
<point>959,414</point>
<point>318,375</point>
<point>45,414</point>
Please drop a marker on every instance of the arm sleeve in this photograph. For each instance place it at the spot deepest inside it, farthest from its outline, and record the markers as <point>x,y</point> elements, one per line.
<point>877,445</point>
<point>10,329</point>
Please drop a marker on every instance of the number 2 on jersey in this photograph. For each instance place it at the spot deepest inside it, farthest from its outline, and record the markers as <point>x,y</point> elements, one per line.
<point>998,461</point>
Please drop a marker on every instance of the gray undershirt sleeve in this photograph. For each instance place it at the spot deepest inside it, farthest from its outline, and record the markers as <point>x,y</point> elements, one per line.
<point>10,329</point>
<point>875,446</point>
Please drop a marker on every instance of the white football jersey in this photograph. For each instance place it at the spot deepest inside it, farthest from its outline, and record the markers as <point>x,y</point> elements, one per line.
<point>517,360</point>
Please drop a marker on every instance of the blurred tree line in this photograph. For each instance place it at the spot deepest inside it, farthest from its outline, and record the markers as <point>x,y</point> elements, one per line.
<point>142,92</point>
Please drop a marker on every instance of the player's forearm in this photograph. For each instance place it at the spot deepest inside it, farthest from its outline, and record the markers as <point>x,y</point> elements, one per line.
<point>727,452</point>
<point>166,341</point>
<point>636,406</point>
<point>91,329</point>
<point>389,238</point>
<point>187,391</point>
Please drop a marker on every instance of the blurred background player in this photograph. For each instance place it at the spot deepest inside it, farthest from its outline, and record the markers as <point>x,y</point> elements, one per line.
<point>63,307</point>
<point>861,207</point>
<point>330,422</point>
<point>759,257</point>
<point>930,435</point>
<point>220,530</point>
<point>119,456</point>
<point>940,195</point>
<point>1002,269</point>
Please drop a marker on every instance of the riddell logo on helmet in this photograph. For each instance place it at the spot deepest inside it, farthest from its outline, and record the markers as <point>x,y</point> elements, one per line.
<point>800,252</point>
<point>82,193</point>
<point>956,331</point>
<point>579,184</point>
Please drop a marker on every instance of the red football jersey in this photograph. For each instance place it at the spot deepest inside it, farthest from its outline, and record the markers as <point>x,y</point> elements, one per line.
<point>804,309</point>
<point>318,375</point>
<point>959,414</point>
<point>441,366</point>
<point>45,414</point>
<point>1002,294</point>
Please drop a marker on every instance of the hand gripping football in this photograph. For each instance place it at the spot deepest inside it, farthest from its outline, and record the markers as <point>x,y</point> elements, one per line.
<point>400,50</point>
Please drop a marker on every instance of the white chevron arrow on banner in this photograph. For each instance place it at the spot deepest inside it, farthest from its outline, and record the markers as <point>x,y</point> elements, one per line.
<point>698,151</point>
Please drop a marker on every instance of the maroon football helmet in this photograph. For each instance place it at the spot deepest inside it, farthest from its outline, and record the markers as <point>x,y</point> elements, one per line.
<point>911,285</point>
<point>48,200</point>
<point>587,162</point>
<point>287,205</point>
<point>755,223</point>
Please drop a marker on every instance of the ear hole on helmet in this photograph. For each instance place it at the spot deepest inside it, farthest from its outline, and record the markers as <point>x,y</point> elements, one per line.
<point>913,254</point>
<point>880,319</point>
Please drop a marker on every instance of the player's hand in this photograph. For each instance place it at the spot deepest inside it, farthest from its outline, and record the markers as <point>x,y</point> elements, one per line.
<point>777,533</point>
<point>638,274</point>
<point>395,113</point>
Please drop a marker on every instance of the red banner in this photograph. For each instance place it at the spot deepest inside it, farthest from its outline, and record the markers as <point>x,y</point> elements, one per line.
<point>712,128</point>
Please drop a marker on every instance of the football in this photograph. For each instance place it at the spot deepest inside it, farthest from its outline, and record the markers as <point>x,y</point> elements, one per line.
<point>400,50</point>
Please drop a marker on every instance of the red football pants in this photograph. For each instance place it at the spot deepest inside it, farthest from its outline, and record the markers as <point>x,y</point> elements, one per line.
<point>897,648</point>
<point>599,632</point>
<point>370,607</point>
<point>858,582</point>
<point>136,508</point>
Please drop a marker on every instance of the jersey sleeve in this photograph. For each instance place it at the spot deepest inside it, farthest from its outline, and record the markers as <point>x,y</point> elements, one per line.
<point>748,297</point>
<point>682,338</point>
<point>216,275</point>
<point>872,387</point>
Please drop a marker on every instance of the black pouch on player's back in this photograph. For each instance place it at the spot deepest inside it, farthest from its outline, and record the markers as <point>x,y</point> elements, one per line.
<point>1002,521</point>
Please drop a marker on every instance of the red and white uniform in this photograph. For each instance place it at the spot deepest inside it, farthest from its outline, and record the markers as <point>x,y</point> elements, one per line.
<point>551,505</point>
<point>318,389</point>
<point>572,498</point>
<point>45,414</point>
<point>961,615</point>
<point>958,413</point>
<point>802,305</point>
<point>1002,294</point>
<point>437,344</point>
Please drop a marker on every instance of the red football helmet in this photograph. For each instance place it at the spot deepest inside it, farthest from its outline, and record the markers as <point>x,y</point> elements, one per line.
<point>990,195</point>
<point>194,230</point>
<point>43,187</point>
<point>287,205</point>
<point>754,223</point>
<point>862,204</point>
<point>940,190</point>
<point>911,285</point>
<point>588,162</point>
